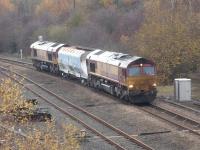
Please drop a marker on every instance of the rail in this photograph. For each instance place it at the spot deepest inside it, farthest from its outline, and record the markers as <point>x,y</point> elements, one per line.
<point>120,132</point>
<point>182,106</point>
<point>174,114</point>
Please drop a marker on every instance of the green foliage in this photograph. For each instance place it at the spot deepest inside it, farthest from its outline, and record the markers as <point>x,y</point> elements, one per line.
<point>106,3</point>
<point>75,20</point>
<point>165,31</point>
<point>54,7</point>
<point>58,33</point>
<point>166,38</point>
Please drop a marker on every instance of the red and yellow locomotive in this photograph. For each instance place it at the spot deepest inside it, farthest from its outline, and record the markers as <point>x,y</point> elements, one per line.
<point>129,77</point>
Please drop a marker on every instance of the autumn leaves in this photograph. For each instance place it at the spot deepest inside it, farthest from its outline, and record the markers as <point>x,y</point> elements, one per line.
<point>44,136</point>
<point>170,36</point>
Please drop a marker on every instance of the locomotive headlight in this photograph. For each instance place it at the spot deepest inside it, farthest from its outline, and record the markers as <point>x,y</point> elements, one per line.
<point>154,84</point>
<point>130,86</point>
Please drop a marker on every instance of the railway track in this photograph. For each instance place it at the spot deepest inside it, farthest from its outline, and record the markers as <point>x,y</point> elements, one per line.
<point>77,113</point>
<point>172,117</point>
<point>183,106</point>
<point>20,63</point>
<point>29,66</point>
<point>197,103</point>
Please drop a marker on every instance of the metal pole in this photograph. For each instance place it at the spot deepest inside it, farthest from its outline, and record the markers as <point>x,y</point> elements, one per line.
<point>117,2</point>
<point>21,53</point>
<point>74,4</point>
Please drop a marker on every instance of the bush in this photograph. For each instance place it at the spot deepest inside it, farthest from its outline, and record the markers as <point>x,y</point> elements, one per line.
<point>48,136</point>
<point>12,99</point>
<point>167,37</point>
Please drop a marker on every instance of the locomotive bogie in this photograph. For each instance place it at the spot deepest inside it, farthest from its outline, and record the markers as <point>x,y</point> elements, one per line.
<point>45,66</point>
<point>102,84</point>
<point>134,95</point>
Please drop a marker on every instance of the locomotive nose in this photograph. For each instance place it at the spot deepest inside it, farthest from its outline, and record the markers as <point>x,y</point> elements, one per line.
<point>143,84</point>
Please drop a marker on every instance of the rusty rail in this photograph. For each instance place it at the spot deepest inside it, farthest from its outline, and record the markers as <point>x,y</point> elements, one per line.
<point>182,106</point>
<point>169,121</point>
<point>120,132</point>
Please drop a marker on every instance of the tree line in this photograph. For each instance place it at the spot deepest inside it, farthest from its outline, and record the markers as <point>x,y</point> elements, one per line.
<point>164,31</point>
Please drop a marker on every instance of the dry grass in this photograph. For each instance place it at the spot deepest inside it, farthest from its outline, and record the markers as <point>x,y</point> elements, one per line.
<point>165,90</point>
<point>195,85</point>
<point>169,90</point>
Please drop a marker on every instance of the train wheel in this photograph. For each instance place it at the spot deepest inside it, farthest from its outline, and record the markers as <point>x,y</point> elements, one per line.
<point>123,95</point>
<point>38,68</point>
<point>118,92</point>
<point>63,75</point>
<point>83,82</point>
<point>51,69</point>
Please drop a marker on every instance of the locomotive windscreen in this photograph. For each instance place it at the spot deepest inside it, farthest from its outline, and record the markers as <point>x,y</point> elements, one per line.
<point>149,70</point>
<point>134,71</point>
<point>145,69</point>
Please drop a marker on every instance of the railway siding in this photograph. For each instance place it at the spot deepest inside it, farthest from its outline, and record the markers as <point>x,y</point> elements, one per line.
<point>101,105</point>
<point>93,129</point>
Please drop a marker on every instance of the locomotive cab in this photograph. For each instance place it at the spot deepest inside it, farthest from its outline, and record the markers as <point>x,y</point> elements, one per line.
<point>141,79</point>
<point>131,78</point>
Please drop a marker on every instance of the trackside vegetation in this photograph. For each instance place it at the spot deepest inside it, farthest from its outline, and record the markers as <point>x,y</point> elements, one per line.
<point>166,31</point>
<point>48,135</point>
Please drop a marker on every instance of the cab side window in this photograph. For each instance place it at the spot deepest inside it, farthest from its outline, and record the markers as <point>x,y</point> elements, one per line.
<point>35,53</point>
<point>49,57</point>
<point>134,71</point>
<point>92,67</point>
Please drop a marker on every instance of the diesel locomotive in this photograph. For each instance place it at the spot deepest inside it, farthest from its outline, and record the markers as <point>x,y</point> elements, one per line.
<point>130,78</point>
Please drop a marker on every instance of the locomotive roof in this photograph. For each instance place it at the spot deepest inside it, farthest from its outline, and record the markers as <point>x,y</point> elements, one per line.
<point>46,46</point>
<point>72,51</point>
<point>113,58</point>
